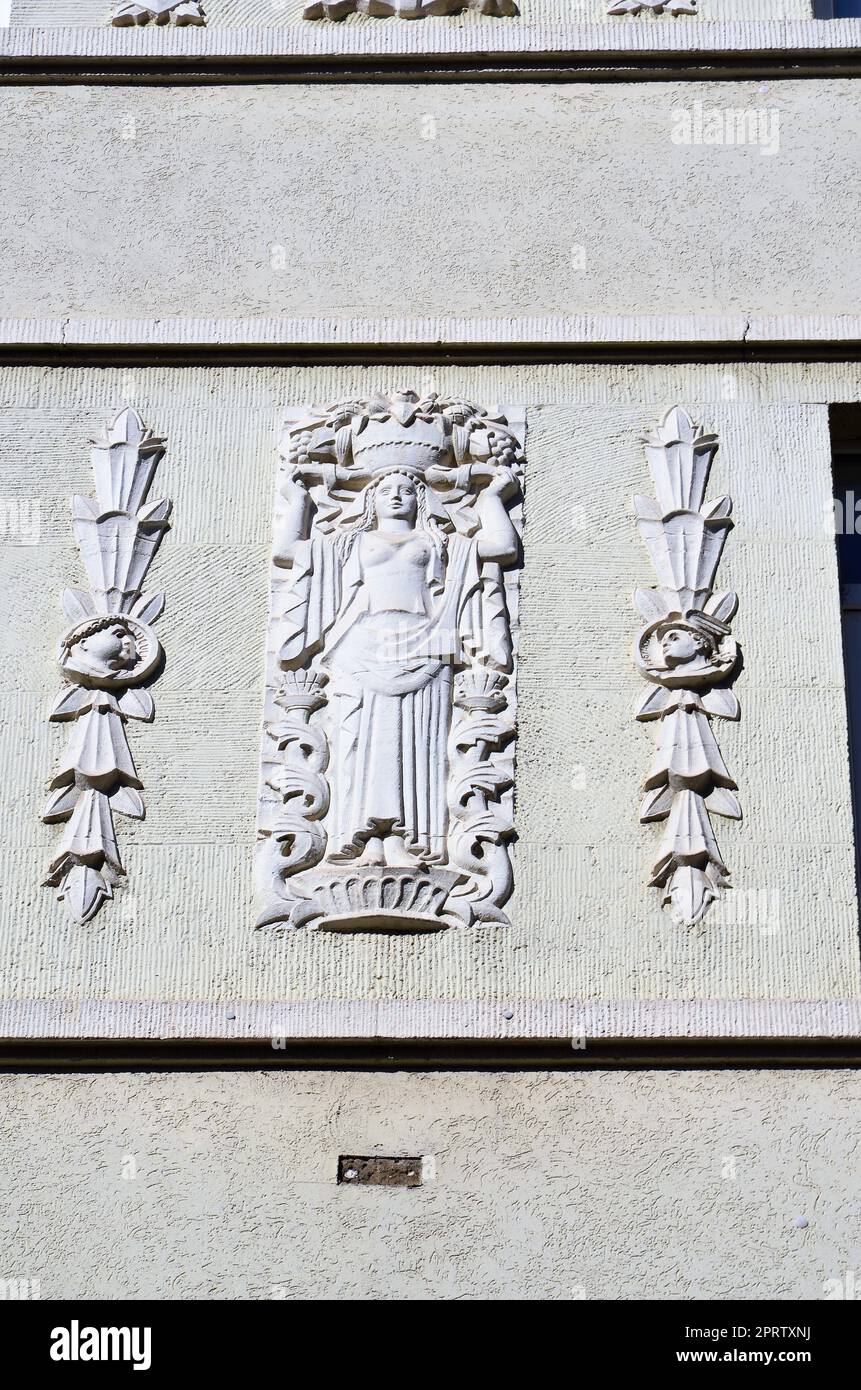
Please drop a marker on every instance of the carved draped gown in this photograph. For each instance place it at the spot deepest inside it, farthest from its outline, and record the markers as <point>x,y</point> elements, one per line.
<point>390,680</point>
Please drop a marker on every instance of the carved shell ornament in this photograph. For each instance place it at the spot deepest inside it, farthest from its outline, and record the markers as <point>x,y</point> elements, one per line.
<point>406,9</point>
<point>688,655</point>
<point>106,656</point>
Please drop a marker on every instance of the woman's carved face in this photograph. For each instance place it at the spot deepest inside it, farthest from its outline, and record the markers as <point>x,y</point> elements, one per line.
<point>396,498</point>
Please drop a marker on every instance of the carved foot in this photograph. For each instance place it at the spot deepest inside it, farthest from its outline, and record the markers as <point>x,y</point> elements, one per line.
<point>373,853</point>
<point>398,856</point>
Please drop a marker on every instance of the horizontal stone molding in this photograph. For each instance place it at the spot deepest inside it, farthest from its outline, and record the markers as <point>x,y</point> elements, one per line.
<point>327,1019</point>
<point>577,45</point>
<point>682,337</point>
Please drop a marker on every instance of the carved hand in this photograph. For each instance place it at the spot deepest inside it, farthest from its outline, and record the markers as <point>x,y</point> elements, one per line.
<point>295,484</point>
<point>503,483</point>
<point>437,474</point>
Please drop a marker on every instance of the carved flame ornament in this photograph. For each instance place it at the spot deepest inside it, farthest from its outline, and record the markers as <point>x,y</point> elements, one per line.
<point>689,657</point>
<point>106,656</point>
<point>406,9</point>
<point>388,760</point>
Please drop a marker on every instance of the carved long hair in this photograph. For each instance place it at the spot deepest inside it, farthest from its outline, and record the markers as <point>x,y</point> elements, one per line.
<point>368,519</point>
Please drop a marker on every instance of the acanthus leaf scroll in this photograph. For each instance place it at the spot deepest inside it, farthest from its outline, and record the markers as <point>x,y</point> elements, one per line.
<point>106,657</point>
<point>688,655</point>
<point>388,761</point>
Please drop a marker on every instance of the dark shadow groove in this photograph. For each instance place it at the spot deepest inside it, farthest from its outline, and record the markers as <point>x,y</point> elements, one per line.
<point>429,1056</point>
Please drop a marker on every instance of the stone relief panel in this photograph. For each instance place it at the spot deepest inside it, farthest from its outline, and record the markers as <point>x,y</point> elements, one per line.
<point>406,9</point>
<point>687,654</point>
<point>107,657</point>
<point>388,754</point>
<point>181,12</point>
<point>653,6</point>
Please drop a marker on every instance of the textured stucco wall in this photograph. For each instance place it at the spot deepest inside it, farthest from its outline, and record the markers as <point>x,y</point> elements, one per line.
<point>549,1186</point>
<point>586,928</point>
<point>230,13</point>
<point>330,200</point>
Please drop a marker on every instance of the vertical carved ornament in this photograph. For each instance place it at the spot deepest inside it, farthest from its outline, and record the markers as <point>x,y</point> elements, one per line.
<point>106,658</point>
<point>688,656</point>
<point>653,6</point>
<point>388,757</point>
<point>182,12</point>
<point>406,9</point>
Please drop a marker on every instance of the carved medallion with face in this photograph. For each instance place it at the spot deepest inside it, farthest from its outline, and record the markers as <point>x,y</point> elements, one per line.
<point>109,651</point>
<point>679,653</point>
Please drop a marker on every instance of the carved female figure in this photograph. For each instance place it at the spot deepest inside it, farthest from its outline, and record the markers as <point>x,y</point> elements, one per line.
<point>395,606</point>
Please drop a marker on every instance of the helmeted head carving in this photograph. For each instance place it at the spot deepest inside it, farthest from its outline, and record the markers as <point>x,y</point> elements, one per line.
<point>681,644</point>
<point>690,648</point>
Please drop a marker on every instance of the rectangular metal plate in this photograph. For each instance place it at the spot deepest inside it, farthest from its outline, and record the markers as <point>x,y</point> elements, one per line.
<point>380,1172</point>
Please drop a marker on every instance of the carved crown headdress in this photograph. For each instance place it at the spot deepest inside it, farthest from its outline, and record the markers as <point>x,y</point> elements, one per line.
<point>402,431</point>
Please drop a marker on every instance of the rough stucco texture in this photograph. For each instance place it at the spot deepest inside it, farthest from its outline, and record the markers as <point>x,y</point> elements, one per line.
<point>589,1184</point>
<point>475,199</point>
<point>585,925</point>
<point>232,13</point>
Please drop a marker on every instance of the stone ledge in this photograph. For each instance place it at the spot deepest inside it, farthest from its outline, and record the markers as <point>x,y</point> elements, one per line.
<point>609,45</point>
<point>438,1019</point>
<point>735,333</point>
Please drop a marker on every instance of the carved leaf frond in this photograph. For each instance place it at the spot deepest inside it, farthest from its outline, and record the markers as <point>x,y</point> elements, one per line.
<point>722,703</point>
<point>148,607</point>
<point>650,603</point>
<point>690,891</point>
<point>77,604</point>
<point>137,704</point>
<point>717,510</point>
<point>687,650</point>
<point>723,802</point>
<point>723,606</point>
<point>60,804</point>
<point>653,703</point>
<point>83,890</point>
<point>657,804</point>
<point>70,702</point>
<point>128,802</point>
<point>118,534</point>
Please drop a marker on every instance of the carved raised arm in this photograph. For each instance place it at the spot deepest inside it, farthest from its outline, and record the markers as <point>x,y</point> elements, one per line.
<point>292,526</point>
<point>497,539</point>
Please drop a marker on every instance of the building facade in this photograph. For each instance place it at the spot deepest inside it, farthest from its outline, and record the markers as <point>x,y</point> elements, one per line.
<point>428,731</point>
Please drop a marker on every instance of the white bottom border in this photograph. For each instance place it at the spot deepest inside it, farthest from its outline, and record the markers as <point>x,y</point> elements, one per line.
<point>330,1020</point>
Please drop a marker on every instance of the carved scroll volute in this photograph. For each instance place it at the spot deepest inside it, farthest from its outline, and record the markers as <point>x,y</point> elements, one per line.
<point>107,656</point>
<point>688,655</point>
<point>389,739</point>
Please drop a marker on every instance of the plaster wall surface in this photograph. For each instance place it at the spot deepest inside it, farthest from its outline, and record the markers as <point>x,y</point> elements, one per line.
<point>471,200</point>
<point>586,928</point>
<point>638,1185</point>
<point>271,13</point>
